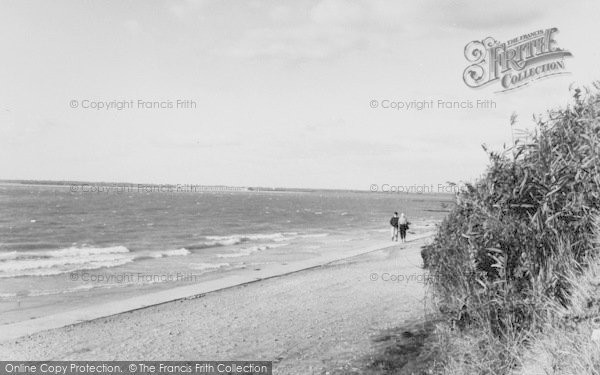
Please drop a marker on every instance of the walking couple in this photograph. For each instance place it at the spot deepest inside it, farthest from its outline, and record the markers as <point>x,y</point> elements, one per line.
<point>399,226</point>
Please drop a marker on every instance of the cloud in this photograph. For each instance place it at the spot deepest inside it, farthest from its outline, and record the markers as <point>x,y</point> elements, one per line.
<point>133,27</point>
<point>306,30</point>
<point>174,140</point>
<point>382,15</point>
<point>183,8</point>
<point>281,13</point>
<point>328,29</point>
<point>336,149</point>
<point>302,43</point>
<point>339,12</point>
<point>487,15</point>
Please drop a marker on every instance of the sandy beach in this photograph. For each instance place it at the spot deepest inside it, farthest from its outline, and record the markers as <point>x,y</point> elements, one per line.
<point>311,321</point>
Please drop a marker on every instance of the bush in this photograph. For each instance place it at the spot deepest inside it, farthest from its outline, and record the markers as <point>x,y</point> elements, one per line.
<point>504,251</point>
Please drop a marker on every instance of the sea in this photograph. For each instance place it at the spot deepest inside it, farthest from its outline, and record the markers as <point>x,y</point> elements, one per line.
<point>61,248</point>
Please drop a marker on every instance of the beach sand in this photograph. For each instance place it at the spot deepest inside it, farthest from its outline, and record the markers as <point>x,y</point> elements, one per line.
<point>312,321</point>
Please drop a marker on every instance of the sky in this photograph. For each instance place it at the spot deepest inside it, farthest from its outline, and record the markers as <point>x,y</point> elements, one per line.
<point>283,89</point>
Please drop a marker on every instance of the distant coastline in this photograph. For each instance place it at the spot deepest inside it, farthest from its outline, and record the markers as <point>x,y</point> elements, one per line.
<point>211,188</point>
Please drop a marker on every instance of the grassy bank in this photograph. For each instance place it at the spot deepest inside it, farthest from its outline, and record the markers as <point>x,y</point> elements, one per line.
<point>510,262</point>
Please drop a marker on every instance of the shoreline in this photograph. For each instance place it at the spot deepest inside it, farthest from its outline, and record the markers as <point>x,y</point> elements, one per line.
<point>323,317</point>
<point>12,331</point>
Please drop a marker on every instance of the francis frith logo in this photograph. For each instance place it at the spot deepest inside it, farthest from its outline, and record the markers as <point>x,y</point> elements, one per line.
<point>516,62</point>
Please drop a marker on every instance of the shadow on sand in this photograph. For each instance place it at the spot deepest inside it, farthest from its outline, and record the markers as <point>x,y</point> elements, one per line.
<point>402,351</point>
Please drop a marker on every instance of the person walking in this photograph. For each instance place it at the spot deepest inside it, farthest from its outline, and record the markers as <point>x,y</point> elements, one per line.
<point>402,226</point>
<point>394,224</point>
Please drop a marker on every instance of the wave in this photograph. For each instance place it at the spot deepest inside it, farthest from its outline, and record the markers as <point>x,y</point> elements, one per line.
<point>170,253</point>
<point>315,235</point>
<point>114,281</point>
<point>250,250</point>
<point>85,287</point>
<point>71,259</point>
<point>52,292</point>
<point>254,237</point>
<point>62,253</point>
<point>8,255</point>
<point>55,262</point>
<point>236,239</point>
<point>208,266</point>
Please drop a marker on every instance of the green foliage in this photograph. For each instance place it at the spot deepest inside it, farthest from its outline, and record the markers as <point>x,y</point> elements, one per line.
<point>514,235</point>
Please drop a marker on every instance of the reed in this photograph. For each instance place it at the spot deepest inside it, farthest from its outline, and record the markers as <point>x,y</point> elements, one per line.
<point>505,259</point>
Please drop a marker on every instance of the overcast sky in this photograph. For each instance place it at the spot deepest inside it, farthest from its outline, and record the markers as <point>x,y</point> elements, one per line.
<point>283,88</point>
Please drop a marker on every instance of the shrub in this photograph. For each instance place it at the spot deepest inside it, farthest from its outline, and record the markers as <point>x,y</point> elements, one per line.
<point>504,250</point>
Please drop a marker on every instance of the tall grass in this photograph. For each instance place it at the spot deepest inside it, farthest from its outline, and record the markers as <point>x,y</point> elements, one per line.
<point>509,249</point>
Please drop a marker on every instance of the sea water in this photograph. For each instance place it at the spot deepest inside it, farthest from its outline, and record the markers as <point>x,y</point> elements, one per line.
<point>64,247</point>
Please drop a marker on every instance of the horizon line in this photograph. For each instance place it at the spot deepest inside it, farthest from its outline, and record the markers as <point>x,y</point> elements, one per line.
<point>241,188</point>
